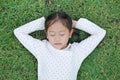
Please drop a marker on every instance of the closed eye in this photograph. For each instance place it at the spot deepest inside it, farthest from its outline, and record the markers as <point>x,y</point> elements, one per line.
<point>52,35</point>
<point>62,34</point>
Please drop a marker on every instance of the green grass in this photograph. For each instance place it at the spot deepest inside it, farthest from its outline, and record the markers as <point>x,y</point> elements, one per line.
<point>16,63</point>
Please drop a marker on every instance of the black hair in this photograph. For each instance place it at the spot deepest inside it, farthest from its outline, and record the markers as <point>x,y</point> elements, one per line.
<point>55,16</point>
<point>66,20</point>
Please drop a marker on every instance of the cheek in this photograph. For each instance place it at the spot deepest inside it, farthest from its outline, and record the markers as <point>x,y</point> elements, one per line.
<point>68,35</point>
<point>65,38</point>
<point>50,38</point>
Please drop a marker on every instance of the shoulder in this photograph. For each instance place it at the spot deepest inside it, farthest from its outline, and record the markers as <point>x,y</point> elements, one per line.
<point>74,46</point>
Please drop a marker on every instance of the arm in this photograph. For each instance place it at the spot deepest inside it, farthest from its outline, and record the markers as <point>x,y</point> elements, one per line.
<point>89,44</point>
<point>22,34</point>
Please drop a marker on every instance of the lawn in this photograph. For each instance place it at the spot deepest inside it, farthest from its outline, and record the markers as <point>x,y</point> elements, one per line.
<point>16,63</point>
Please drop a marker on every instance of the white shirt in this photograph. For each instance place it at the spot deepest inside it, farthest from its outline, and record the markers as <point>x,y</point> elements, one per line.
<point>54,64</point>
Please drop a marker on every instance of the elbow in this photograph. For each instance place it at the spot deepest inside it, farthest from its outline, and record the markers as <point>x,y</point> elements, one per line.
<point>16,32</point>
<point>102,33</point>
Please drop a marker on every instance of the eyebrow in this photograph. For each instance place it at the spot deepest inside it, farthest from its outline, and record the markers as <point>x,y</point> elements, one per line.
<point>60,31</point>
<point>51,31</point>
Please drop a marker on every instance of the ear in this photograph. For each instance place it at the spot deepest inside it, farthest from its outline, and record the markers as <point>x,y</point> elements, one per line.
<point>71,32</point>
<point>46,33</point>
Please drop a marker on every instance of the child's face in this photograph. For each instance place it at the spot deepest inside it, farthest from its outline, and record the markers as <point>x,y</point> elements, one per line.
<point>58,35</point>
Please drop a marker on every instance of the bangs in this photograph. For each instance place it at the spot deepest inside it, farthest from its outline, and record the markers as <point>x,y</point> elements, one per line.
<point>63,21</point>
<point>59,16</point>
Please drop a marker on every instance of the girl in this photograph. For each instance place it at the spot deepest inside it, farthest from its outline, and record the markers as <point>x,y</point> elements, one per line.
<point>58,59</point>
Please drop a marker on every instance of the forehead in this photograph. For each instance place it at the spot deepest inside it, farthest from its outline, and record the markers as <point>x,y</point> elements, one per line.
<point>57,26</point>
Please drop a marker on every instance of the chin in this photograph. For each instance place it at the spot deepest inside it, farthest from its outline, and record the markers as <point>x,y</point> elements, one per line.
<point>58,48</point>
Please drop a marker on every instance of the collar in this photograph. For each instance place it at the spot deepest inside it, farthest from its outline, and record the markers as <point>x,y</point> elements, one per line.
<point>50,47</point>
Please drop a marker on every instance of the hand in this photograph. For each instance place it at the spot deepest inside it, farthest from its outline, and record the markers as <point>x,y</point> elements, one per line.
<point>74,23</point>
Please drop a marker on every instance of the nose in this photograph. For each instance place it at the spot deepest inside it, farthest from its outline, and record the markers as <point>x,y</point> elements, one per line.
<point>57,38</point>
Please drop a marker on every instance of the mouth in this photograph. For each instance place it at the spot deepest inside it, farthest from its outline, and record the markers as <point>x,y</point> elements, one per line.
<point>57,43</point>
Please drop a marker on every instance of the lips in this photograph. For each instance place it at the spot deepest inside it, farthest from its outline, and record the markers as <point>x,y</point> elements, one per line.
<point>57,43</point>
